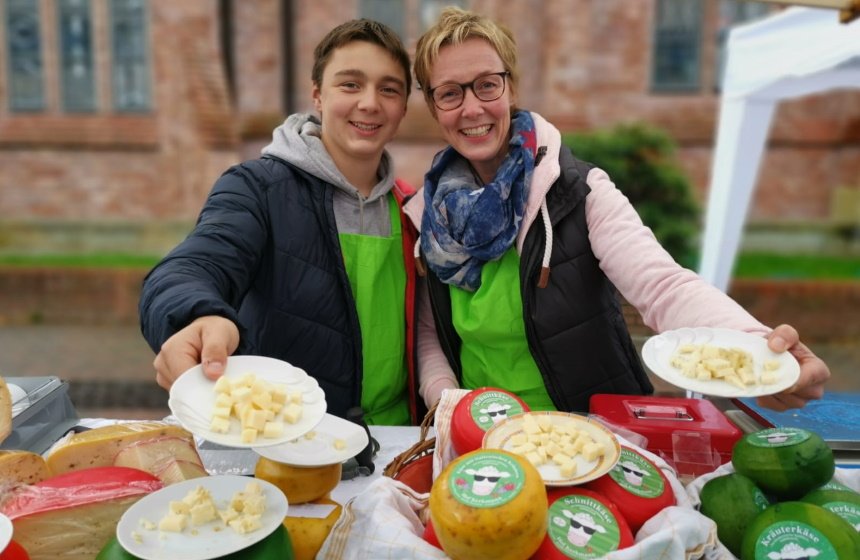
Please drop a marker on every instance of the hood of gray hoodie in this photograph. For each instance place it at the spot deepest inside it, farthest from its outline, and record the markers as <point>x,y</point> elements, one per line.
<point>298,141</point>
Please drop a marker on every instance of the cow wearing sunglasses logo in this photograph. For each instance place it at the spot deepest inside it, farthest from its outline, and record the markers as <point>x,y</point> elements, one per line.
<point>484,480</point>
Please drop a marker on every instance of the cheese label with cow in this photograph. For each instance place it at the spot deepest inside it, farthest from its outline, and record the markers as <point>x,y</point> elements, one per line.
<point>792,539</point>
<point>778,437</point>
<point>583,528</point>
<point>637,475</point>
<point>491,407</point>
<point>486,480</point>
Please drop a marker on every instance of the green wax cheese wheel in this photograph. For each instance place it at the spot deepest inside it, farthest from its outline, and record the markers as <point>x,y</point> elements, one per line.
<point>839,499</point>
<point>784,462</point>
<point>791,530</point>
<point>276,546</point>
<point>732,501</point>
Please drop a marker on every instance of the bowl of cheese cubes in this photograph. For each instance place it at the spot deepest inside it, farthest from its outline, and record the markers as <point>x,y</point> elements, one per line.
<point>258,402</point>
<point>566,448</point>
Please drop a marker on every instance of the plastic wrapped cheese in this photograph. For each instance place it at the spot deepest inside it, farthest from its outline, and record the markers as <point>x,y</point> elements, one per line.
<point>99,447</point>
<point>71,516</point>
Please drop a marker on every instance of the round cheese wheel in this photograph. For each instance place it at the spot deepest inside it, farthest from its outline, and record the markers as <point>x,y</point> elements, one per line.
<point>477,412</point>
<point>636,486</point>
<point>582,524</point>
<point>308,533</point>
<point>489,505</point>
<point>430,534</point>
<point>299,484</point>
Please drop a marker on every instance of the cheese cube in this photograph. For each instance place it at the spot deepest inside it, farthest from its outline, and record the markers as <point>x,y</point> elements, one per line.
<point>249,435</point>
<point>172,522</point>
<point>273,429</point>
<point>292,413</point>
<point>203,513</point>
<point>223,385</point>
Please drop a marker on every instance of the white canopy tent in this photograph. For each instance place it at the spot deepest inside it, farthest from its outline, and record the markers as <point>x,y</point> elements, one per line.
<point>796,52</point>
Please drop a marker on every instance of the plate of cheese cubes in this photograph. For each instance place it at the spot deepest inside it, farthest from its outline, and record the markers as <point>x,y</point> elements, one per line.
<point>202,518</point>
<point>258,402</point>
<point>333,440</point>
<point>566,448</point>
<point>720,362</point>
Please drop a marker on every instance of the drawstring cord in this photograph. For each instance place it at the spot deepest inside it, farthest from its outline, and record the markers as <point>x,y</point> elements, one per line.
<point>543,281</point>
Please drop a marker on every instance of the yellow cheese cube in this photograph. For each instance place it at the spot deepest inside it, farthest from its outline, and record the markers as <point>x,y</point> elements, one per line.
<point>249,435</point>
<point>172,523</point>
<point>273,429</point>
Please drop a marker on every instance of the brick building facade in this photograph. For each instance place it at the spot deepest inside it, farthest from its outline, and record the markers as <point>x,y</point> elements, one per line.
<point>222,73</point>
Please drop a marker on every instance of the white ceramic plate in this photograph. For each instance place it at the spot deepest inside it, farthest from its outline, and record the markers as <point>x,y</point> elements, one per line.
<point>317,447</point>
<point>657,353</point>
<point>207,543</point>
<point>499,437</point>
<point>5,531</point>
<point>192,399</point>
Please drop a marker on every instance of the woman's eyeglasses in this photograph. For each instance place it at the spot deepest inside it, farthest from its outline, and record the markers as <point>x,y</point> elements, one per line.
<point>488,87</point>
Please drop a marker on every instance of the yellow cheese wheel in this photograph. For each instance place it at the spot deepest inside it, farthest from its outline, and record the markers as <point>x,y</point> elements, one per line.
<point>299,484</point>
<point>99,447</point>
<point>308,533</point>
<point>22,466</point>
<point>489,505</point>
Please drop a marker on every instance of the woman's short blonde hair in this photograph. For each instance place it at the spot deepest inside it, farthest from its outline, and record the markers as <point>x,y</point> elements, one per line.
<point>454,27</point>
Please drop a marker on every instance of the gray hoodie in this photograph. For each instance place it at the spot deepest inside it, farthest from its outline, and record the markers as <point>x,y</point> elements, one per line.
<point>298,141</point>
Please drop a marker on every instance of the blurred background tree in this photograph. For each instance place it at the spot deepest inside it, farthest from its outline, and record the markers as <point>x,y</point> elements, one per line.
<point>640,160</point>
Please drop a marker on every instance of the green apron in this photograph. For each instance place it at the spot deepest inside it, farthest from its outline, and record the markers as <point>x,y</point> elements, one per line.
<point>495,352</point>
<point>377,275</point>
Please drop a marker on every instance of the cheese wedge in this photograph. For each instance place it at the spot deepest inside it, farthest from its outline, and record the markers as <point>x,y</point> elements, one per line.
<point>5,410</point>
<point>154,455</point>
<point>99,447</point>
<point>23,467</point>
<point>73,515</point>
<point>177,471</point>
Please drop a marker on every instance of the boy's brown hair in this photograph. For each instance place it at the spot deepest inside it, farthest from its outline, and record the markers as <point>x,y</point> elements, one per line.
<point>360,30</point>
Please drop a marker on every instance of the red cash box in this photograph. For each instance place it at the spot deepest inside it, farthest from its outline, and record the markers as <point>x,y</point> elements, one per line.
<point>692,434</point>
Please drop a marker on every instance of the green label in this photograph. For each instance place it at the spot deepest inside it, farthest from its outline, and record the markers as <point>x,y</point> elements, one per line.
<point>833,485</point>
<point>581,527</point>
<point>847,511</point>
<point>791,539</point>
<point>636,475</point>
<point>486,480</point>
<point>492,407</point>
<point>778,437</point>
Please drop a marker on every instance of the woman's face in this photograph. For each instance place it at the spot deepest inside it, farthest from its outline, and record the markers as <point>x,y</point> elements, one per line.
<point>478,130</point>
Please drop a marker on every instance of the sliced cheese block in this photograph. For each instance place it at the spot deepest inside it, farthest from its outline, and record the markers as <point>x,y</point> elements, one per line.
<point>5,410</point>
<point>177,471</point>
<point>73,515</point>
<point>99,447</point>
<point>154,455</point>
<point>22,466</point>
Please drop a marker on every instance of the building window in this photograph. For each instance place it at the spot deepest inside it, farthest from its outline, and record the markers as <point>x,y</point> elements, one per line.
<point>676,45</point>
<point>26,82</point>
<point>389,12</point>
<point>130,65</point>
<point>77,74</point>
<point>733,12</point>
<point>430,10</point>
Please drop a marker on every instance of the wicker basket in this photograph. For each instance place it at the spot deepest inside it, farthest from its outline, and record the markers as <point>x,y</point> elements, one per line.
<point>414,466</point>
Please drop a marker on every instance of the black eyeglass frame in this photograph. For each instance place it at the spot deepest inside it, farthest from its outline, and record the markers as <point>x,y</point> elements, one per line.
<point>470,85</point>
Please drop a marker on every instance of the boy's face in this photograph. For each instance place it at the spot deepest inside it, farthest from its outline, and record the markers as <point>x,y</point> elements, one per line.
<point>361,100</point>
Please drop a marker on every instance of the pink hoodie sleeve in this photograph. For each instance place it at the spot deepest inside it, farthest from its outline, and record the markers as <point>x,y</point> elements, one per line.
<point>434,373</point>
<point>667,295</point>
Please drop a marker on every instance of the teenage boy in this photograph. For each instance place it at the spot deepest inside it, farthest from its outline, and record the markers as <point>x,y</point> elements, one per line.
<point>303,254</point>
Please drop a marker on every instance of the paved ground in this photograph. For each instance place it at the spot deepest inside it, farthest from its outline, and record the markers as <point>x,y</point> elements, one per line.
<point>110,374</point>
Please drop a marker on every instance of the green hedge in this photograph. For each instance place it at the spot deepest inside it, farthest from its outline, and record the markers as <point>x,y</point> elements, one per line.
<point>640,160</point>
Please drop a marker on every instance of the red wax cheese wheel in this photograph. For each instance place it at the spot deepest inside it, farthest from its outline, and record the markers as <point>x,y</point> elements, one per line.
<point>582,525</point>
<point>430,535</point>
<point>14,551</point>
<point>477,412</point>
<point>636,486</point>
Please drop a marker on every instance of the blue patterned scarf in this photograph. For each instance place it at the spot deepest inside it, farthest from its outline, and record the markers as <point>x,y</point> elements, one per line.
<point>466,224</point>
